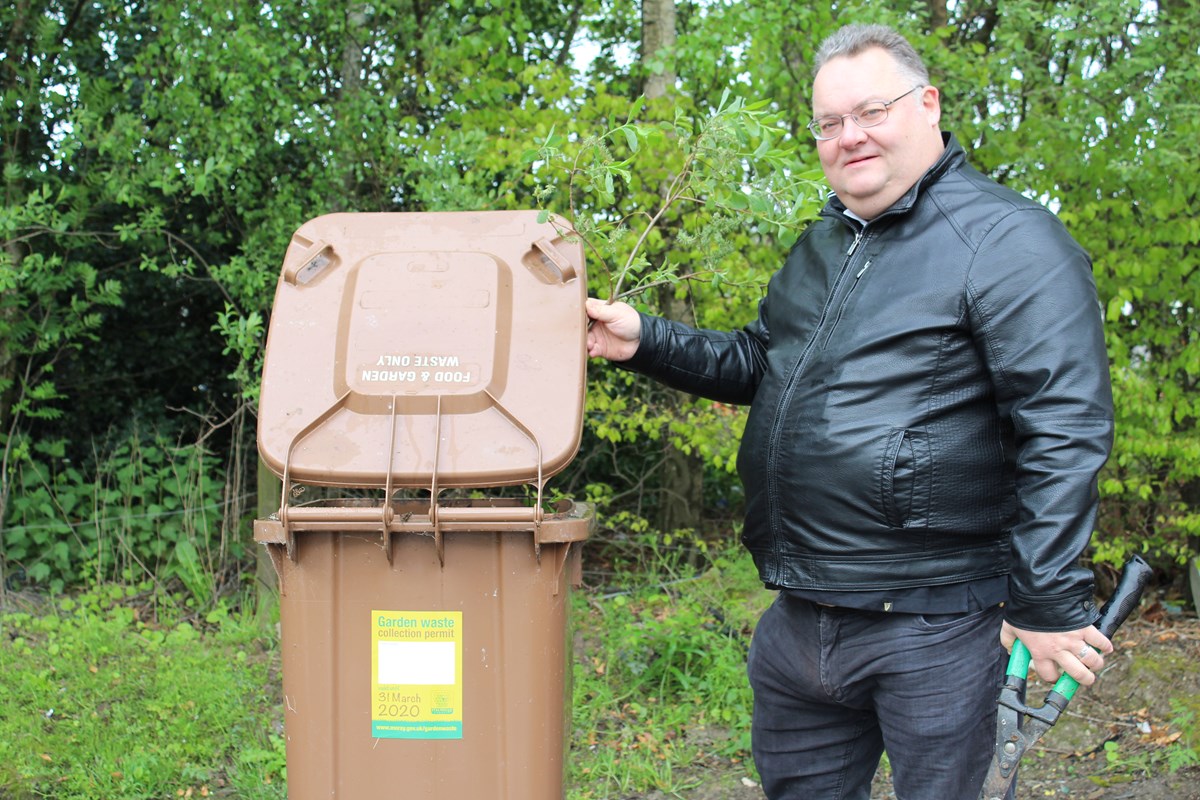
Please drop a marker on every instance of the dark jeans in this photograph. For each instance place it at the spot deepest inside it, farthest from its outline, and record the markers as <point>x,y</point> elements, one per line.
<point>834,688</point>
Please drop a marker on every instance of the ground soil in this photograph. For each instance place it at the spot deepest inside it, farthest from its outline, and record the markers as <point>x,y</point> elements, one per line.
<point>1153,669</point>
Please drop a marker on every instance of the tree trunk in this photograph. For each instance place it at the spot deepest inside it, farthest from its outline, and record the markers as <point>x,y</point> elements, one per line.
<point>14,153</point>
<point>938,15</point>
<point>682,474</point>
<point>350,74</point>
<point>8,393</point>
<point>658,34</point>
<point>8,354</point>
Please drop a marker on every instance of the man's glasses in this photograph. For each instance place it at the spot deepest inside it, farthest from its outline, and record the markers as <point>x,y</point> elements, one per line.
<point>868,115</point>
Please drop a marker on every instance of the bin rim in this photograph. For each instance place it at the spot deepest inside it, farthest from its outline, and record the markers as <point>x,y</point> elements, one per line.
<point>569,522</point>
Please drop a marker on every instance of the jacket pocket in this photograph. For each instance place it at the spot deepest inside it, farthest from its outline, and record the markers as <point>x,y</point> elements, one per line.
<point>905,486</point>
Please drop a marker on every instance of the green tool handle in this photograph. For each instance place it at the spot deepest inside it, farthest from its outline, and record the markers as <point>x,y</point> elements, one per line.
<point>1134,577</point>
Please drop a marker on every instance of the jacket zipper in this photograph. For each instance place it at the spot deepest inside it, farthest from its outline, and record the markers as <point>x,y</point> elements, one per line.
<point>857,238</point>
<point>845,300</point>
<point>789,389</point>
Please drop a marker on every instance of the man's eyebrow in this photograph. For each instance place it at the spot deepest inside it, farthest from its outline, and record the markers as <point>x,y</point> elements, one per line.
<point>859,104</point>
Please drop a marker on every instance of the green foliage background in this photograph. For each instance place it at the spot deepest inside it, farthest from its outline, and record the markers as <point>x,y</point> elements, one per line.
<point>157,157</point>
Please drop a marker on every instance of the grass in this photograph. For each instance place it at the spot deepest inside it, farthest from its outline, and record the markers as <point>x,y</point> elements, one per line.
<point>98,702</point>
<point>109,694</point>
<point>660,688</point>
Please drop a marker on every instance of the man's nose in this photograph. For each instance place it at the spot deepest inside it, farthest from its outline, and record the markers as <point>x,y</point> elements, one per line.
<point>851,134</point>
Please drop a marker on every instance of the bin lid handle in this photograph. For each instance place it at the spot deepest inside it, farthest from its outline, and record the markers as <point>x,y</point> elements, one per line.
<point>311,263</point>
<point>320,420</point>
<point>566,270</point>
<point>435,491</point>
<point>385,517</point>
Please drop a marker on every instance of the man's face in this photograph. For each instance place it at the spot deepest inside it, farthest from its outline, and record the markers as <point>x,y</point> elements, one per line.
<point>870,168</point>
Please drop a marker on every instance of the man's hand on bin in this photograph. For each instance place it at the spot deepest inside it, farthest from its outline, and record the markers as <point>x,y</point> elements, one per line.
<point>615,330</point>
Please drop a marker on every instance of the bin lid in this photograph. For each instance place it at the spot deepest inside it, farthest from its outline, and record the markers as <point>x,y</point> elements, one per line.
<point>425,350</point>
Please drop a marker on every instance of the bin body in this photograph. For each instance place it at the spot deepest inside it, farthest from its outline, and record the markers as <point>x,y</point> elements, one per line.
<point>511,600</point>
<point>426,645</point>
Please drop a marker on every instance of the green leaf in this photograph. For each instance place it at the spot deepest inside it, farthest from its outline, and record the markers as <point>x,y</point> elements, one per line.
<point>631,138</point>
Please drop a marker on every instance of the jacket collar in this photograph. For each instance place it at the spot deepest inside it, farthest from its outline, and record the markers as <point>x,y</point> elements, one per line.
<point>952,156</point>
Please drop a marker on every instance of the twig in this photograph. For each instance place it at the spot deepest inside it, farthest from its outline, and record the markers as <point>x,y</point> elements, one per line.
<point>642,287</point>
<point>1098,721</point>
<point>668,201</point>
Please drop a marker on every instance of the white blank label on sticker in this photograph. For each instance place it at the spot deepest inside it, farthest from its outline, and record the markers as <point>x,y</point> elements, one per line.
<point>417,663</point>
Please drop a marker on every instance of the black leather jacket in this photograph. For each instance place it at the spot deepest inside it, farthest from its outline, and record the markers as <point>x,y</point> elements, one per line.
<point>930,399</point>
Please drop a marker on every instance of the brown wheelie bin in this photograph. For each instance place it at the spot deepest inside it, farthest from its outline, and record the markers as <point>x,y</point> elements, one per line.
<point>414,363</point>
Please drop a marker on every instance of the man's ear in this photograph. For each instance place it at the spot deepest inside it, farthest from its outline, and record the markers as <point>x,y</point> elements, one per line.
<point>931,101</point>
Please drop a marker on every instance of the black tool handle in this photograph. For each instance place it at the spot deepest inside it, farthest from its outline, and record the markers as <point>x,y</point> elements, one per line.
<point>1124,600</point>
<point>1134,577</point>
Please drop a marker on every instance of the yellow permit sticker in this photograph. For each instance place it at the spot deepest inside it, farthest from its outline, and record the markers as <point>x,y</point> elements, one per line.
<point>416,674</point>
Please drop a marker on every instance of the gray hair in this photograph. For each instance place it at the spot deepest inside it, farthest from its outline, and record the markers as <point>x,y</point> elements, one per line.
<point>854,39</point>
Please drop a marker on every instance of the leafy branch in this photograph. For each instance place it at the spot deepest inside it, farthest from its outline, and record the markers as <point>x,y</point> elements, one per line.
<point>734,164</point>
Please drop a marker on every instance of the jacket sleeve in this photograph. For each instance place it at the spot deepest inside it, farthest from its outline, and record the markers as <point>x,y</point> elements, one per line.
<point>1039,326</point>
<point>725,366</point>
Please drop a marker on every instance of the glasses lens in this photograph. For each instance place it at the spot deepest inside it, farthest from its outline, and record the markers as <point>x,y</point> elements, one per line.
<point>826,127</point>
<point>871,114</point>
<point>866,116</point>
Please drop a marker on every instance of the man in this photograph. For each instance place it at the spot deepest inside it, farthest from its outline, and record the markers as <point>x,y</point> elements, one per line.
<point>929,407</point>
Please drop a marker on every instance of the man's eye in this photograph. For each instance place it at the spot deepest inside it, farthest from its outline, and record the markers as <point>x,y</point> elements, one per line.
<point>829,124</point>
<point>871,113</point>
